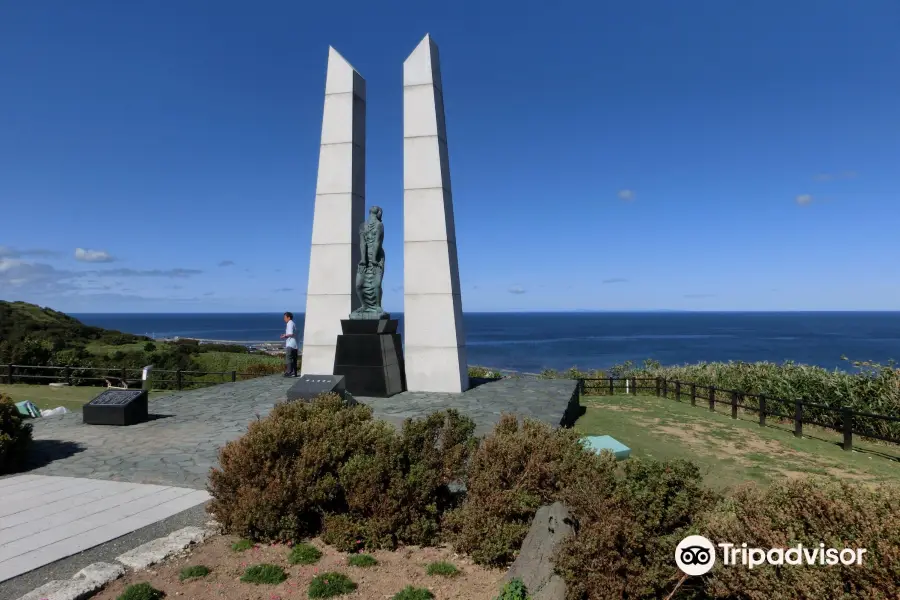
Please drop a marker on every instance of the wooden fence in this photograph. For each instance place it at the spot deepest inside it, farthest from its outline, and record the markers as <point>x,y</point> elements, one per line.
<point>842,419</point>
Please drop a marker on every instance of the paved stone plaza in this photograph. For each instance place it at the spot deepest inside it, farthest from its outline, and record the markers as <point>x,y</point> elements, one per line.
<point>179,444</point>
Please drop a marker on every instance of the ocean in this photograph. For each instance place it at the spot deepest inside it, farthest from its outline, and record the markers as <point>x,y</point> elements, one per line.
<point>531,342</point>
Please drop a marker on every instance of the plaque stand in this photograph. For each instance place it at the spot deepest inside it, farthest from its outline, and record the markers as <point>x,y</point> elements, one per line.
<point>370,356</point>
<point>116,407</point>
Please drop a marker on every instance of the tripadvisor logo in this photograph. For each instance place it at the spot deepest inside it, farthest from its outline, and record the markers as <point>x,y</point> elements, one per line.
<point>696,555</point>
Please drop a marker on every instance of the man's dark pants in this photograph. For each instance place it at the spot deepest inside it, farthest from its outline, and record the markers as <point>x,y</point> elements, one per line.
<point>290,361</point>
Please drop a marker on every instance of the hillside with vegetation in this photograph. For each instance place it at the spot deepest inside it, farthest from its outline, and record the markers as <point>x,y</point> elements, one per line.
<point>37,336</point>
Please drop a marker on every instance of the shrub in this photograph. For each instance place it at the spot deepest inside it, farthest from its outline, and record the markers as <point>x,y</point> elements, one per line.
<point>262,369</point>
<point>810,512</point>
<point>141,591</point>
<point>413,593</point>
<point>304,554</point>
<point>484,373</point>
<point>193,572</point>
<point>149,347</point>
<point>242,545</point>
<point>362,560</point>
<point>516,470</point>
<point>264,574</point>
<point>625,537</point>
<point>328,585</point>
<point>15,436</point>
<point>322,467</point>
<point>444,569</point>
<point>513,590</point>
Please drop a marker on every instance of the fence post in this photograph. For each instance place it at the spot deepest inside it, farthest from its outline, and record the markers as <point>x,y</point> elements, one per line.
<point>233,376</point>
<point>658,385</point>
<point>178,380</point>
<point>693,394</point>
<point>847,415</point>
<point>68,375</point>
<point>734,405</point>
<point>762,411</point>
<point>634,386</point>
<point>612,384</point>
<point>678,391</point>
<point>665,388</point>
<point>798,418</point>
<point>124,376</point>
<point>9,376</point>
<point>712,399</point>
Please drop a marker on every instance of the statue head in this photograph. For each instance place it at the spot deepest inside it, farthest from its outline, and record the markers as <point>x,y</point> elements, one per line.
<point>376,211</point>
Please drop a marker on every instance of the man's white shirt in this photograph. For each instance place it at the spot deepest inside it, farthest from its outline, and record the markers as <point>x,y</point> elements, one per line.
<point>291,332</point>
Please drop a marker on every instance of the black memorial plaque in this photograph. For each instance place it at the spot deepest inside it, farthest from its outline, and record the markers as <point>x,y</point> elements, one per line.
<point>370,355</point>
<point>310,386</point>
<point>116,407</point>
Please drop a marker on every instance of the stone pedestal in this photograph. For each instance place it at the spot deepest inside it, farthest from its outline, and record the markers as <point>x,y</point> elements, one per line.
<point>116,407</point>
<point>370,357</point>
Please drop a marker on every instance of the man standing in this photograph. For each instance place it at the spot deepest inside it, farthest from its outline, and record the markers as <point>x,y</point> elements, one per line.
<point>291,346</point>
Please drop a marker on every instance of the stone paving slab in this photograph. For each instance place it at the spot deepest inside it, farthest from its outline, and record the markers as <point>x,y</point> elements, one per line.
<point>176,447</point>
<point>180,443</point>
<point>38,526</point>
<point>553,401</point>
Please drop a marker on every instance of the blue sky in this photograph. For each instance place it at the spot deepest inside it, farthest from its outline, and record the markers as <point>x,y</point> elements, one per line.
<point>693,155</point>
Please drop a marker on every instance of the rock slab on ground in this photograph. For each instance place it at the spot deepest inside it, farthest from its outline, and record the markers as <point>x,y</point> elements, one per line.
<point>82,585</point>
<point>153,552</point>
<point>534,566</point>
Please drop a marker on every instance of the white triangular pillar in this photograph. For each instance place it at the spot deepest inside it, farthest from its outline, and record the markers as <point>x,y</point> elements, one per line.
<point>434,334</point>
<point>339,209</point>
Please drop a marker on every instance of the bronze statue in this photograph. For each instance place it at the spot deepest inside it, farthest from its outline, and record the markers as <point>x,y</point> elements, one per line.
<point>370,271</point>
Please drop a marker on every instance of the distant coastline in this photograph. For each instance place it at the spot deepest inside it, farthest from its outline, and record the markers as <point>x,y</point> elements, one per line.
<point>532,341</point>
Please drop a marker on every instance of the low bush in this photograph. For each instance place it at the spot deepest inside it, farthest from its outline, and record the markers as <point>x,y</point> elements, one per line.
<point>329,585</point>
<point>362,560</point>
<point>516,470</point>
<point>810,512</point>
<point>15,436</point>
<point>264,574</point>
<point>141,591</point>
<point>304,554</point>
<point>484,373</point>
<point>242,545</point>
<point>442,569</point>
<point>261,369</point>
<point>193,572</point>
<point>413,593</point>
<point>626,535</point>
<point>514,590</point>
<point>322,467</point>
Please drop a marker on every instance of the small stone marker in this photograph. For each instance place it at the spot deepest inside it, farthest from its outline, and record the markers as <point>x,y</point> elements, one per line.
<point>310,386</point>
<point>606,442</point>
<point>116,407</point>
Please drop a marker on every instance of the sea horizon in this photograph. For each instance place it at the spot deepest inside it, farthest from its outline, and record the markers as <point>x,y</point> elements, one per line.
<point>533,341</point>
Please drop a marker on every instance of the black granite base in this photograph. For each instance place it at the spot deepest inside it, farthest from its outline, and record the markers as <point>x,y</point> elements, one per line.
<point>369,355</point>
<point>116,407</point>
<point>309,387</point>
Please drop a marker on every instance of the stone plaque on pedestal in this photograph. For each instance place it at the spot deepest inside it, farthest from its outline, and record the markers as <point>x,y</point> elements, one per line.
<point>370,356</point>
<point>309,387</point>
<point>116,407</point>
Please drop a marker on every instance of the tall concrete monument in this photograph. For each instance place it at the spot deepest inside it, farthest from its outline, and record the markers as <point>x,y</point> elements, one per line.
<point>339,211</point>
<point>435,347</point>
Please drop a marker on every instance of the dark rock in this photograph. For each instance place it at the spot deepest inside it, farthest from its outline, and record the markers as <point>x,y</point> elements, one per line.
<point>534,565</point>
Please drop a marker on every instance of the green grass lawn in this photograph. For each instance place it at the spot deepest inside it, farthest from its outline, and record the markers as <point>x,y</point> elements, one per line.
<point>46,397</point>
<point>730,451</point>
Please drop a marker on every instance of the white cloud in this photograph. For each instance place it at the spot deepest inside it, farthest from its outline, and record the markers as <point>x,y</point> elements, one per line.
<point>226,263</point>
<point>517,290</point>
<point>615,280</point>
<point>99,256</point>
<point>626,195</point>
<point>804,199</point>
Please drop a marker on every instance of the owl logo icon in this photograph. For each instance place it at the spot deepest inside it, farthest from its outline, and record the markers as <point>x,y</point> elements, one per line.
<point>695,555</point>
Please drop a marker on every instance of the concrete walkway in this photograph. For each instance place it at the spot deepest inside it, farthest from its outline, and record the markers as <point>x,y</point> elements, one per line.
<point>44,519</point>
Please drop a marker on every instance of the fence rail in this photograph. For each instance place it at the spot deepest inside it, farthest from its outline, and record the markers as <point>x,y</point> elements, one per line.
<point>159,379</point>
<point>841,419</point>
